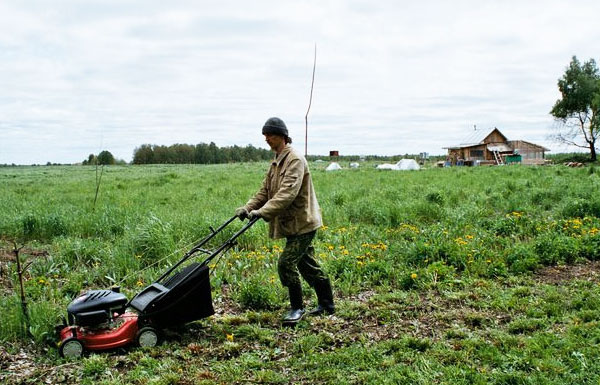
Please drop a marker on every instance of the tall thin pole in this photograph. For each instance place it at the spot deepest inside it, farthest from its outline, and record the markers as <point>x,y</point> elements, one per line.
<point>312,84</point>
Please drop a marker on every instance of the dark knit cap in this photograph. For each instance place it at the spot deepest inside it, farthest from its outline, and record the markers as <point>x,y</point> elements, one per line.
<point>275,126</point>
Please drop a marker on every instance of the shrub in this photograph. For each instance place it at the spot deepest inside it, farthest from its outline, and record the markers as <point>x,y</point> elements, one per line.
<point>521,258</point>
<point>255,294</point>
<point>553,248</point>
<point>435,197</point>
<point>579,208</point>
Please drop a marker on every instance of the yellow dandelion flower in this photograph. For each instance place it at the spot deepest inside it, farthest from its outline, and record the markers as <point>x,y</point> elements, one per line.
<point>413,275</point>
<point>229,337</point>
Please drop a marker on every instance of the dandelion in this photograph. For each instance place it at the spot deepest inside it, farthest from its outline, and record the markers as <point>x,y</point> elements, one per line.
<point>413,276</point>
<point>469,236</point>
<point>460,241</point>
<point>488,260</point>
<point>139,283</point>
<point>229,337</point>
<point>360,263</point>
<point>41,281</point>
<point>324,227</point>
<point>330,247</point>
<point>345,252</point>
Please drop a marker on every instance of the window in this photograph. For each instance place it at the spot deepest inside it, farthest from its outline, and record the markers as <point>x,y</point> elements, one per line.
<point>476,154</point>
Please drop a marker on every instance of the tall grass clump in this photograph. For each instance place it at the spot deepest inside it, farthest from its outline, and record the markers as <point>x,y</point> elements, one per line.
<point>258,292</point>
<point>152,239</point>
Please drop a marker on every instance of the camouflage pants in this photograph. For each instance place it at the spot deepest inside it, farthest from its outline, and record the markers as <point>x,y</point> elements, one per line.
<point>298,259</point>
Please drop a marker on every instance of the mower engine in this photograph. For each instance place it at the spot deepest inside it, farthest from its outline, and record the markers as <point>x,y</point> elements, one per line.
<point>96,308</point>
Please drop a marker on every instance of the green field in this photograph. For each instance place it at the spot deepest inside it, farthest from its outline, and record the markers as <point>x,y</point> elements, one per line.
<point>446,276</point>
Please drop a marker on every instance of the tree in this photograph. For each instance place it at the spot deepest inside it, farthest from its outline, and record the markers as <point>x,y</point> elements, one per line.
<point>90,160</point>
<point>105,157</point>
<point>579,107</point>
<point>143,154</point>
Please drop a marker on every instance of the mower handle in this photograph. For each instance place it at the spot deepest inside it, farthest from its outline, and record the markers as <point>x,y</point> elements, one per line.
<point>231,241</point>
<point>198,247</point>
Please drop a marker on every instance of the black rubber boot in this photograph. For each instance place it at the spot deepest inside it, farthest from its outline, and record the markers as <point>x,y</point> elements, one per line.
<point>324,297</point>
<point>293,316</point>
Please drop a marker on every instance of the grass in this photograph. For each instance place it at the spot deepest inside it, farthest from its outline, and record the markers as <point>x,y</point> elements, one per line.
<point>462,275</point>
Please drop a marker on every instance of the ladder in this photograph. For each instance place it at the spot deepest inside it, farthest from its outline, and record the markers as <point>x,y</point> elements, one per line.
<point>498,158</point>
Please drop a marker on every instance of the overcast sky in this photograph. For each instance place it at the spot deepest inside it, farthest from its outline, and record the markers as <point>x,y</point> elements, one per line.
<point>392,77</point>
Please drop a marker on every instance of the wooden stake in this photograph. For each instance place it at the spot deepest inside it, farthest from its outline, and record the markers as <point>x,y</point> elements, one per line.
<point>309,104</point>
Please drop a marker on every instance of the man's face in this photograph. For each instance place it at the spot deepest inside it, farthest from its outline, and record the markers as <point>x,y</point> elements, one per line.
<point>275,141</point>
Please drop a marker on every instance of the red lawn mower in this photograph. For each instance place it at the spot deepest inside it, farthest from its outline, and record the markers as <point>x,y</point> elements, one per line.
<point>105,319</point>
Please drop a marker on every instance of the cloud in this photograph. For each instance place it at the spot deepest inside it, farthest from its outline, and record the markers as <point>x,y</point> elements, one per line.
<point>392,77</point>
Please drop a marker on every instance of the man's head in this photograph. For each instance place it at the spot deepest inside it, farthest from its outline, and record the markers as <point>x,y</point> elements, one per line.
<point>276,134</point>
<point>275,126</point>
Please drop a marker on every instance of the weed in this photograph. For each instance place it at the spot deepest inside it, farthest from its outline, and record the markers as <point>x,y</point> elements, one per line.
<point>255,294</point>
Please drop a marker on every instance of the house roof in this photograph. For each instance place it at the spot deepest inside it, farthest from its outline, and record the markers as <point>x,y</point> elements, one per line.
<point>475,137</point>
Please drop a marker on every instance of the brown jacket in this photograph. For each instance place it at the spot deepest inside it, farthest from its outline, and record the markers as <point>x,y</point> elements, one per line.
<point>287,197</point>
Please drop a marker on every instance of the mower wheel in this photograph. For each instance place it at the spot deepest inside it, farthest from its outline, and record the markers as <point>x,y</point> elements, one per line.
<point>147,337</point>
<point>71,348</point>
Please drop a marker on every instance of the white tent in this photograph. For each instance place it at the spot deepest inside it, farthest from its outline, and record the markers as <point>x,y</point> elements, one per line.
<point>354,165</point>
<point>403,164</point>
<point>386,166</point>
<point>407,164</point>
<point>333,166</point>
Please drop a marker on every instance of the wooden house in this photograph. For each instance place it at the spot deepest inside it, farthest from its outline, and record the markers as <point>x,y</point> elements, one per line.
<point>492,147</point>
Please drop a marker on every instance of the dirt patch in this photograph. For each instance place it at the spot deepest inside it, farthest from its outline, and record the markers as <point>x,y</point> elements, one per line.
<point>556,275</point>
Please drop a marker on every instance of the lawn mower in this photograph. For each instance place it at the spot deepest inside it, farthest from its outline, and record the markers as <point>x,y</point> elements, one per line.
<point>105,319</point>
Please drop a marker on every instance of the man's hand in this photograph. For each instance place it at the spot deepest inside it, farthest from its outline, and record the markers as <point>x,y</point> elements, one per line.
<point>241,213</point>
<point>254,214</point>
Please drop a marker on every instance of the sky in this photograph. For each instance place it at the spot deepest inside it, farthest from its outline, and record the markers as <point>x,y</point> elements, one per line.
<point>392,76</point>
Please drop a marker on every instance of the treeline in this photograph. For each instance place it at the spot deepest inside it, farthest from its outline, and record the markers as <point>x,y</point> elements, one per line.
<point>197,154</point>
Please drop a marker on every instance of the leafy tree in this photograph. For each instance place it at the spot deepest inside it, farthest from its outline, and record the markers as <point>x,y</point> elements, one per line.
<point>90,160</point>
<point>579,107</point>
<point>105,157</point>
<point>143,154</point>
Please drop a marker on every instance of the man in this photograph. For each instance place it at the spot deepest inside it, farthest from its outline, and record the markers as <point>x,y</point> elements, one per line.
<point>288,202</point>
